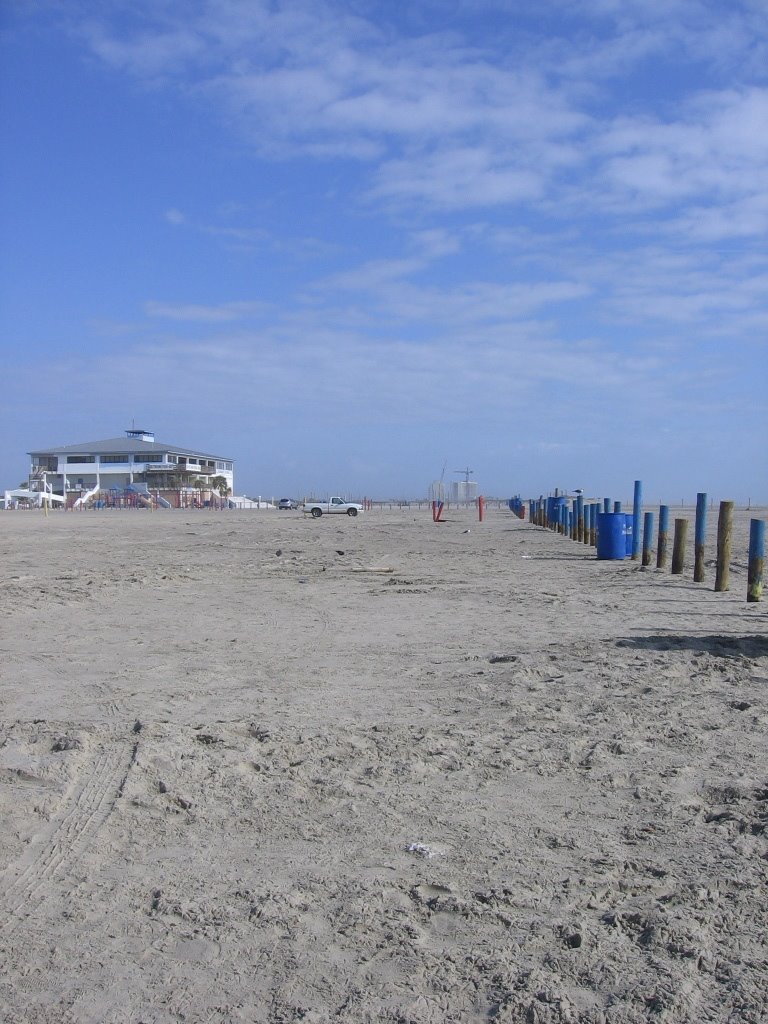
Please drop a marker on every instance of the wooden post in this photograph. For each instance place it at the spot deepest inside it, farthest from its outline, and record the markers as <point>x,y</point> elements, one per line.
<point>480,507</point>
<point>580,519</point>
<point>700,537</point>
<point>617,506</point>
<point>661,550</point>
<point>647,537</point>
<point>756,560</point>
<point>724,535</point>
<point>637,505</point>
<point>678,547</point>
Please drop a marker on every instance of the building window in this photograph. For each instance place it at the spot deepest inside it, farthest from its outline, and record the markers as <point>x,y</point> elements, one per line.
<point>81,458</point>
<point>114,458</point>
<point>149,457</point>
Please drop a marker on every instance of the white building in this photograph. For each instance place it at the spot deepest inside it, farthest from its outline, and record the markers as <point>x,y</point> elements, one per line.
<point>120,461</point>
<point>463,490</point>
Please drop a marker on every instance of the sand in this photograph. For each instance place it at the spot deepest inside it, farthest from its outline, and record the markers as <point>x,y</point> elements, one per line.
<point>242,780</point>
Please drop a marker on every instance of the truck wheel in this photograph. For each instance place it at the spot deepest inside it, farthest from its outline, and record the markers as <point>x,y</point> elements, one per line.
<point>351,511</point>
<point>316,513</point>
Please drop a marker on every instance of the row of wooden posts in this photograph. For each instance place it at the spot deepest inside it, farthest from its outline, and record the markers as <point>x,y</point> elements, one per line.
<point>579,521</point>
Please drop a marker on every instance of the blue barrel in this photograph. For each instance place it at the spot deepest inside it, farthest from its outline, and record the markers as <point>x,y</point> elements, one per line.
<point>611,542</point>
<point>629,521</point>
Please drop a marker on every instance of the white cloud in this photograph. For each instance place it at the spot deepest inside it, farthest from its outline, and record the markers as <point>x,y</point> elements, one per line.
<point>225,313</point>
<point>449,125</point>
<point>719,146</point>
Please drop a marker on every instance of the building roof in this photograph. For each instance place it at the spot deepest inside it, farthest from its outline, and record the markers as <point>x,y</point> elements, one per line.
<point>124,446</point>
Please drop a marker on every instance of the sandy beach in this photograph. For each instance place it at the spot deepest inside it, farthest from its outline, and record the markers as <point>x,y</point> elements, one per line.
<point>247,775</point>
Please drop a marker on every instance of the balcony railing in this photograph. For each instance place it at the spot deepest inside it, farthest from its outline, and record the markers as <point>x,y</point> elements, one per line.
<point>175,467</point>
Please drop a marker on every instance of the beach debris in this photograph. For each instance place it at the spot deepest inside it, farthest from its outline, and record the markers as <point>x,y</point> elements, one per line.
<point>466,531</point>
<point>258,732</point>
<point>206,737</point>
<point>138,726</point>
<point>279,552</point>
<point>162,787</point>
<point>420,849</point>
<point>183,803</point>
<point>66,743</point>
<point>338,552</point>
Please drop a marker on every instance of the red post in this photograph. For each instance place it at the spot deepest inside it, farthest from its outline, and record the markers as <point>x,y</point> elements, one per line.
<point>480,507</point>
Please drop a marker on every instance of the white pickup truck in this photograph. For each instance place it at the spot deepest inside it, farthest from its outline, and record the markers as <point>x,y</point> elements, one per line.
<point>332,506</point>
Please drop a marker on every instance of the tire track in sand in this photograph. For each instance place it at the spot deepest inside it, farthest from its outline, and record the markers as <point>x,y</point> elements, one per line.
<point>32,878</point>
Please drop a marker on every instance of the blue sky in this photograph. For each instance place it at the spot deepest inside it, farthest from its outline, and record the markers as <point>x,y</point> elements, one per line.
<point>349,243</point>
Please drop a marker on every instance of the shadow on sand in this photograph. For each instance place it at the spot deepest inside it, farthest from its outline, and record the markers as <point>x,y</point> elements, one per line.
<point>720,646</point>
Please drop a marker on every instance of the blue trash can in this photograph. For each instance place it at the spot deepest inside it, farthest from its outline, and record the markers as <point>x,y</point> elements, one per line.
<point>611,543</point>
<point>555,507</point>
<point>629,518</point>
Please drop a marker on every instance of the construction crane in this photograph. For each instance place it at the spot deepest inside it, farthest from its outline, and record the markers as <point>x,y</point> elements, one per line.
<point>467,473</point>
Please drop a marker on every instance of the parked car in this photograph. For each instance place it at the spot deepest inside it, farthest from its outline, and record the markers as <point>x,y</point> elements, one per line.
<point>333,505</point>
<point>286,503</point>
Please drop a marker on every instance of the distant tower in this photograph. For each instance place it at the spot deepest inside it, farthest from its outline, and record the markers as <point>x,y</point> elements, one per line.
<point>437,491</point>
<point>137,434</point>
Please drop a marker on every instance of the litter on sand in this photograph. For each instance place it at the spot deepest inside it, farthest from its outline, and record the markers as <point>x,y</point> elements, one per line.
<point>420,849</point>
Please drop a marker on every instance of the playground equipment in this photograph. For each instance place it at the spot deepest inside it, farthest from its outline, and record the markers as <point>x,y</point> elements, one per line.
<point>85,498</point>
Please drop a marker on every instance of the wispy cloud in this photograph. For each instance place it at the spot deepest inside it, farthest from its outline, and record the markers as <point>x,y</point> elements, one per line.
<point>456,126</point>
<point>226,313</point>
<point>443,212</point>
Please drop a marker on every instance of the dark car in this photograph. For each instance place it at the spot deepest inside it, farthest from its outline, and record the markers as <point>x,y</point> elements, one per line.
<point>286,503</point>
